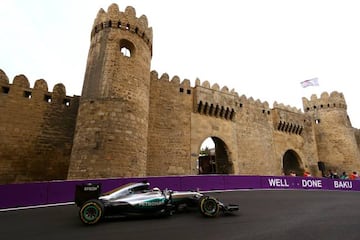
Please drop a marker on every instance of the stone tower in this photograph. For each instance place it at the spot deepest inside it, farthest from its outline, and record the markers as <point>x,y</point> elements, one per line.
<point>335,137</point>
<point>112,124</point>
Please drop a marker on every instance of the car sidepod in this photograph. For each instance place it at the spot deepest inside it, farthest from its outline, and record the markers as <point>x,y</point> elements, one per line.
<point>143,203</point>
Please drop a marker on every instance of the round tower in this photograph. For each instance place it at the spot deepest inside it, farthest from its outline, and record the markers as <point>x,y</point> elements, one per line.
<point>335,137</point>
<point>112,124</point>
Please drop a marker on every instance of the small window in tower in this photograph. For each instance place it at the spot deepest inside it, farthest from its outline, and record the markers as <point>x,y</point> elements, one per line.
<point>317,121</point>
<point>27,94</point>
<point>188,91</point>
<point>47,98</point>
<point>5,90</point>
<point>67,102</point>
<point>127,48</point>
<point>181,90</point>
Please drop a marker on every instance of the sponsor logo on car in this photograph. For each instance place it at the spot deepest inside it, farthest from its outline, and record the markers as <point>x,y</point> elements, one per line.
<point>90,188</point>
<point>152,203</point>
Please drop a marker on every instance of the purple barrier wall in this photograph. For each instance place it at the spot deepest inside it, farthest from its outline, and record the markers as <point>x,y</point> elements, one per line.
<point>242,182</point>
<point>210,182</point>
<point>16,195</point>
<point>31,194</point>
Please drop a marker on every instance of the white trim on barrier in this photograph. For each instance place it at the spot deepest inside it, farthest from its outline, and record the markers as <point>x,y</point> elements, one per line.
<point>36,206</point>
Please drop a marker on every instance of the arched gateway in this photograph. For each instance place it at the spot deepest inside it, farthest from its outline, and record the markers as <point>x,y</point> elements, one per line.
<point>292,162</point>
<point>216,160</point>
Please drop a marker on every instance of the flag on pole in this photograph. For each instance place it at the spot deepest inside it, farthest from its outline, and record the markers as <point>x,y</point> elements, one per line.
<point>310,82</point>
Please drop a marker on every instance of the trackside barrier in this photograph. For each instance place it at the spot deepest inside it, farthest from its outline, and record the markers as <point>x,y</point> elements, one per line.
<point>41,193</point>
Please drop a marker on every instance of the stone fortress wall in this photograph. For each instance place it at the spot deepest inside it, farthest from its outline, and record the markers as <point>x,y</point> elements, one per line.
<point>36,130</point>
<point>129,121</point>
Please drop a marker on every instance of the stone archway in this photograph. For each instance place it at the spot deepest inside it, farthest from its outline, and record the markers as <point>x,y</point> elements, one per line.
<point>217,159</point>
<point>292,162</point>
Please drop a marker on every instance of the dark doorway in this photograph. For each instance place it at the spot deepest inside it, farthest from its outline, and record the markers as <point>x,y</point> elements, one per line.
<point>215,160</point>
<point>291,162</point>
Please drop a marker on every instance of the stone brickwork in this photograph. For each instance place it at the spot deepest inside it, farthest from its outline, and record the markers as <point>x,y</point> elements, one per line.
<point>334,135</point>
<point>130,121</point>
<point>36,130</point>
<point>169,126</point>
<point>114,109</point>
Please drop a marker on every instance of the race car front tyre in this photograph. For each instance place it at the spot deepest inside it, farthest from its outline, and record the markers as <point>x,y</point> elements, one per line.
<point>209,206</point>
<point>91,212</point>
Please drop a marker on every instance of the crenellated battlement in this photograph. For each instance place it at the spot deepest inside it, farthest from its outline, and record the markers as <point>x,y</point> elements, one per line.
<point>215,86</point>
<point>288,119</point>
<point>212,95</point>
<point>252,103</point>
<point>126,21</point>
<point>3,78</point>
<point>154,76</point>
<point>334,100</point>
<point>286,107</point>
<point>20,88</point>
<point>241,101</point>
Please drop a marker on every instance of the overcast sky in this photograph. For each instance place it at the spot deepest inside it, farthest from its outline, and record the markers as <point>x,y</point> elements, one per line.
<point>261,48</point>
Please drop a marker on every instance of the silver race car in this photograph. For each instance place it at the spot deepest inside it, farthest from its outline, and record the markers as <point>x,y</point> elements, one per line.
<point>138,199</point>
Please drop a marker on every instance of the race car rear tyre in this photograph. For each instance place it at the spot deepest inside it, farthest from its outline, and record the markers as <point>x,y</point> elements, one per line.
<point>91,212</point>
<point>209,206</point>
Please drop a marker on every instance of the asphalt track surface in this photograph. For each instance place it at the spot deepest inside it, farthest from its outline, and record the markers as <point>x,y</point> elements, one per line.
<point>278,214</point>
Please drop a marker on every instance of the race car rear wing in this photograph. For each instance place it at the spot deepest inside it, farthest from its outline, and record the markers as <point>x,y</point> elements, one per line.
<point>86,192</point>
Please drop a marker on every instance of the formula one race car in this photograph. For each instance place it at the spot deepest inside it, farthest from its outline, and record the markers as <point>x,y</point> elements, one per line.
<point>138,199</point>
